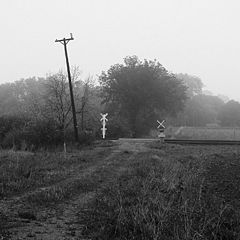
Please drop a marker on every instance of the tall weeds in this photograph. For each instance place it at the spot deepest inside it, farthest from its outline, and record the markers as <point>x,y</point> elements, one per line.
<point>158,199</point>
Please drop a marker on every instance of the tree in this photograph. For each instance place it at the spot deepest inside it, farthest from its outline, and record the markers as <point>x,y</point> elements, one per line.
<point>43,105</point>
<point>224,98</point>
<point>194,84</point>
<point>22,97</point>
<point>202,109</point>
<point>57,105</point>
<point>137,90</point>
<point>30,93</point>
<point>89,104</point>
<point>9,103</point>
<point>229,114</point>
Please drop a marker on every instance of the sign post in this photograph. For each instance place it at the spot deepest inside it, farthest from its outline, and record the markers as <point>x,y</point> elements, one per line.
<point>161,128</point>
<point>103,120</point>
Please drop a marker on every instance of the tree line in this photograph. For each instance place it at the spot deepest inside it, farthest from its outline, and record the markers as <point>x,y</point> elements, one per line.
<point>36,112</point>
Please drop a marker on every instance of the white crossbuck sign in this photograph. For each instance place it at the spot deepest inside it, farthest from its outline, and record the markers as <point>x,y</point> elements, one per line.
<point>103,120</point>
<point>161,126</point>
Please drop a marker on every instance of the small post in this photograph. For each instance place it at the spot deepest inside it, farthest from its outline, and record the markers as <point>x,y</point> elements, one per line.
<point>161,128</point>
<point>64,149</point>
<point>103,120</point>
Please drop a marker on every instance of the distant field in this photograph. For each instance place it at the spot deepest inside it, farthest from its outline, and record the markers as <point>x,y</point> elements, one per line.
<point>208,133</point>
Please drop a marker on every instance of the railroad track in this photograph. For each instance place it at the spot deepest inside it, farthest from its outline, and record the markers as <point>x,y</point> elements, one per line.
<point>183,141</point>
<point>203,142</point>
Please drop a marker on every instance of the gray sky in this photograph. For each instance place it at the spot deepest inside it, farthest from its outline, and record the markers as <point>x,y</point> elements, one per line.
<point>198,37</point>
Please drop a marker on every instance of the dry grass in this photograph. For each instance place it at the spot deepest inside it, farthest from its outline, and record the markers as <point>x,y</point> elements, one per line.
<point>22,172</point>
<point>161,197</point>
<point>31,183</point>
<point>156,191</point>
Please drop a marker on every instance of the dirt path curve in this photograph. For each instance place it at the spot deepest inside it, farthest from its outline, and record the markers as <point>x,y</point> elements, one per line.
<point>61,223</point>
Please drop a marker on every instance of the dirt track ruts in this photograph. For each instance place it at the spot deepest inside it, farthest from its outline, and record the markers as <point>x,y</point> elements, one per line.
<point>61,222</point>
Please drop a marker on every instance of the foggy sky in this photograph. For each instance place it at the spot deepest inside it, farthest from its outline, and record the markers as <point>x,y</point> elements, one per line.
<point>198,37</point>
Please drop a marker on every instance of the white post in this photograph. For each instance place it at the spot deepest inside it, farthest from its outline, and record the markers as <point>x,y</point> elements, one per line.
<point>103,120</point>
<point>64,148</point>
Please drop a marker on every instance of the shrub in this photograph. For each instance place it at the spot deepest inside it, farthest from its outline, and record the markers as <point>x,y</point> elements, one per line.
<point>86,138</point>
<point>13,139</point>
<point>10,130</point>
<point>25,134</point>
<point>43,133</point>
<point>117,128</point>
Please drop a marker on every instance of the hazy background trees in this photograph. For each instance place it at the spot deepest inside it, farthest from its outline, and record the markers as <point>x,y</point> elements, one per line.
<point>36,111</point>
<point>201,110</point>
<point>229,114</point>
<point>193,83</point>
<point>201,107</point>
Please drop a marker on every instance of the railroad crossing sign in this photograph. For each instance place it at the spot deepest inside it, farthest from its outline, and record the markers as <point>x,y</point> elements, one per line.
<point>161,128</point>
<point>103,120</point>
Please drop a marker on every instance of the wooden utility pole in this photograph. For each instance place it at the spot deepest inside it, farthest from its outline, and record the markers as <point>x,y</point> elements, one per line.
<point>83,106</point>
<point>65,41</point>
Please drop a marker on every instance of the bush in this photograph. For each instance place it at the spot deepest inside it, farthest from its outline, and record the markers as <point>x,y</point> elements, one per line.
<point>86,138</point>
<point>117,128</point>
<point>12,131</point>
<point>43,133</point>
<point>10,123</point>
<point>25,134</point>
<point>14,139</point>
<point>22,133</point>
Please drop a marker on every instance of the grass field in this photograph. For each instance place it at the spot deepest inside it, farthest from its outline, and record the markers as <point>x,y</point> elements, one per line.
<point>203,133</point>
<point>122,190</point>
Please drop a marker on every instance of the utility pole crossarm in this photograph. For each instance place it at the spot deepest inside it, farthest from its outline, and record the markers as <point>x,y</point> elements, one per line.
<point>65,39</point>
